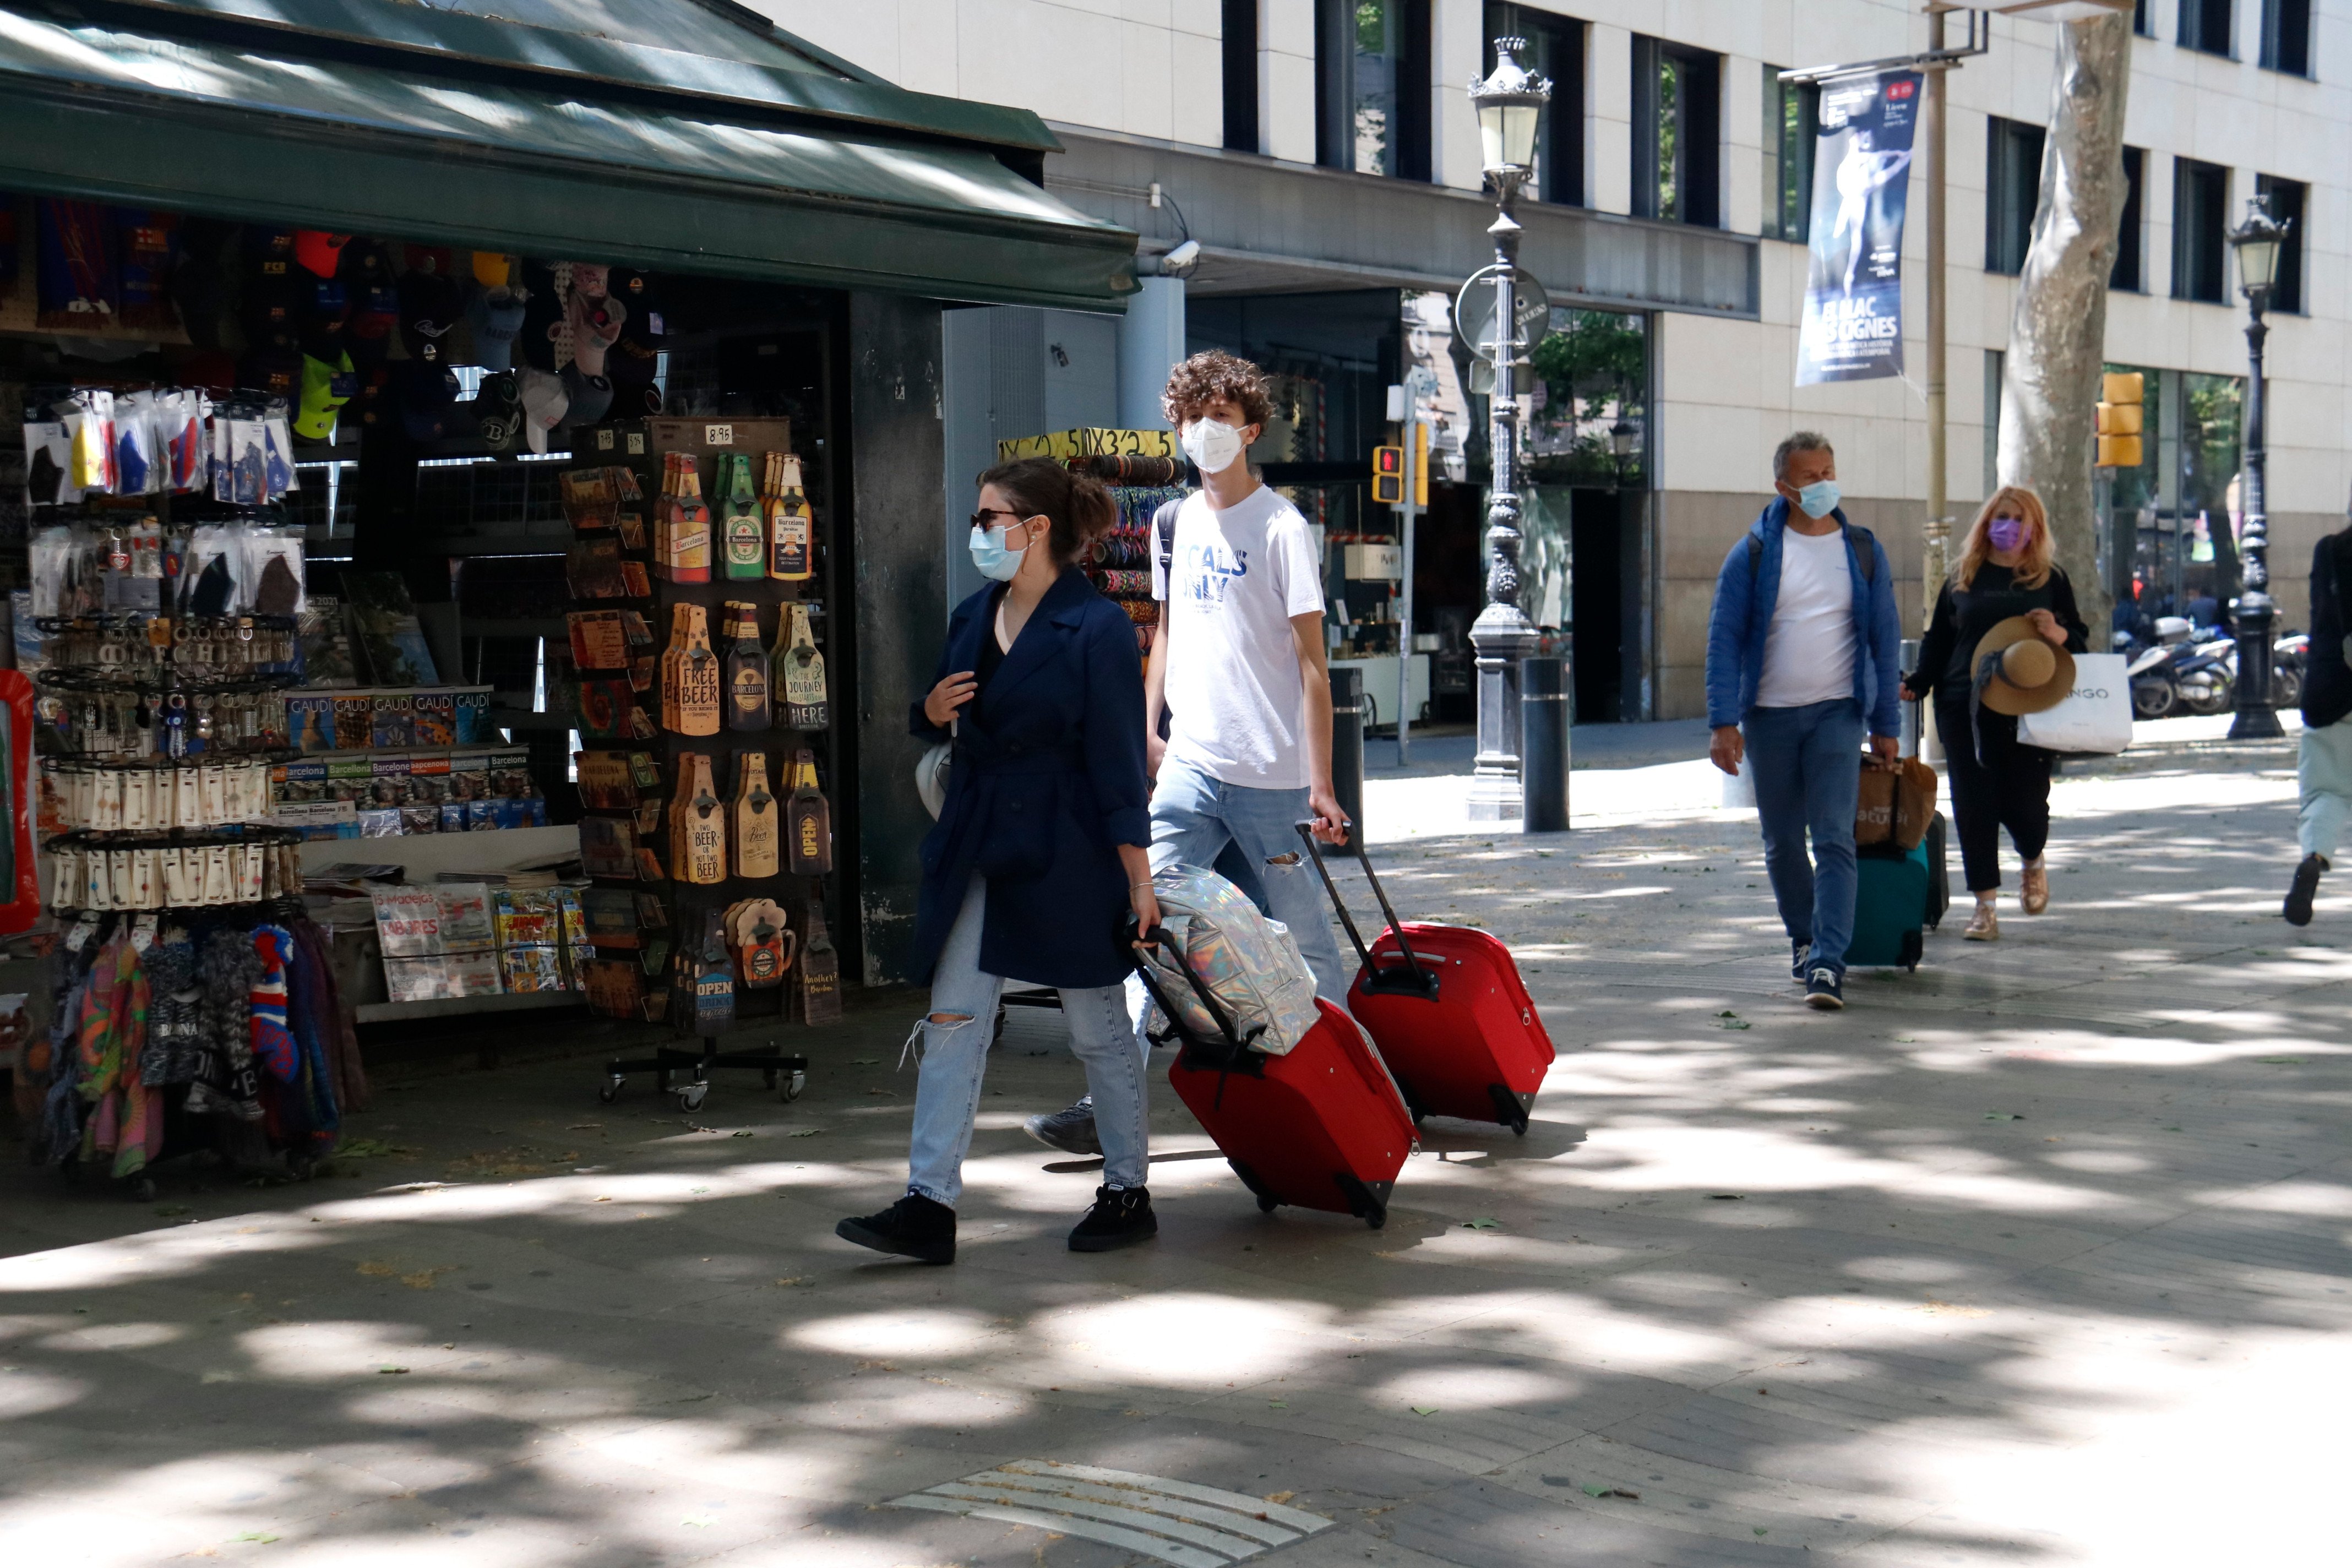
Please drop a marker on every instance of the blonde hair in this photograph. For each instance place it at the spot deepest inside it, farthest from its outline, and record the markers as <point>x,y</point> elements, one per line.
<point>2031,572</point>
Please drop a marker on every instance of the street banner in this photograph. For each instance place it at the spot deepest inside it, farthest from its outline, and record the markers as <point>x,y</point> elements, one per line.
<point>1853,327</point>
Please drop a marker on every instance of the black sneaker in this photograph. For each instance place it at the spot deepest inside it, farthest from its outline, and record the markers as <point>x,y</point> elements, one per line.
<point>1798,951</point>
<point>2305,887</point>
<point>914,1228</point>
<point>1825,990</point>
<point>1120,1218</point>
<point>1071,1131</point>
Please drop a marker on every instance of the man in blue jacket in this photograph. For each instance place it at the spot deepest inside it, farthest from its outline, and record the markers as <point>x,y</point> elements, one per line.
<point>1802,654</point>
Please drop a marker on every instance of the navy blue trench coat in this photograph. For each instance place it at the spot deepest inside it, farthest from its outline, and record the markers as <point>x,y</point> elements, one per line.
<point>1047,781</point>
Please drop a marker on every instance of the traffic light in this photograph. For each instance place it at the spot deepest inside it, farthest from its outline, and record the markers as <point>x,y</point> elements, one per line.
<point>2121,419</point>
<point>1388,476</point>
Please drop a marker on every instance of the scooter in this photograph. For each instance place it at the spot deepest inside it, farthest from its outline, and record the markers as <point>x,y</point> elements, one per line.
<point>2206,676</point>
<point>2290,656</point>
<point>2153,694</point>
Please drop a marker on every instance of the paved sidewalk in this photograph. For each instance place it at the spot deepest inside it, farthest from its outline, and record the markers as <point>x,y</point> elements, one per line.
<point>2036,1257</point>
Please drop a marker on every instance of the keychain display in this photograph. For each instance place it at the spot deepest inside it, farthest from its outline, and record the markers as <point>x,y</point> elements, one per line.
<point>161,872</point>
<point>89,796</point>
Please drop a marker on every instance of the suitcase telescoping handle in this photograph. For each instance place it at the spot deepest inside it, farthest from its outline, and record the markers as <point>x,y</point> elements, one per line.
<point>1413,977</point>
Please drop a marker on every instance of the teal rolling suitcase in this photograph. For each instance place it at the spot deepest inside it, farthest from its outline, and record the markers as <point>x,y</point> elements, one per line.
<point>1895,898</point>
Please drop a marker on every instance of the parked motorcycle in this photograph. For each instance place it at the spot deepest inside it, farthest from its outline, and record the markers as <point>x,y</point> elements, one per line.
<point>2290,656</point>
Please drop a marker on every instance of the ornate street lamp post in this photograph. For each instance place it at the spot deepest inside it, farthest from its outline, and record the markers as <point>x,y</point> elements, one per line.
<point>2257,241</point>
<point>1510,104</point>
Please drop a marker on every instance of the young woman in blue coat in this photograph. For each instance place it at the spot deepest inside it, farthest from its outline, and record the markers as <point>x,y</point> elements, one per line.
<point>1039,856</point>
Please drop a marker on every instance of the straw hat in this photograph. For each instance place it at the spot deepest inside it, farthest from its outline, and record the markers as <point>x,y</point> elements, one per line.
<point>2029,672</point>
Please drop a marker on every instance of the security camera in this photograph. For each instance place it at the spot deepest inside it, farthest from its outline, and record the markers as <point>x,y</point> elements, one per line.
<point>1180,262</point>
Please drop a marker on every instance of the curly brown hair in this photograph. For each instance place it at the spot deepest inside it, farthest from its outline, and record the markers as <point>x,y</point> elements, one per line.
<point>1208,376</point>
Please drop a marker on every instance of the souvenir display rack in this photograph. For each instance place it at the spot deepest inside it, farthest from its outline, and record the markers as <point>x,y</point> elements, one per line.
<point>697,640</point>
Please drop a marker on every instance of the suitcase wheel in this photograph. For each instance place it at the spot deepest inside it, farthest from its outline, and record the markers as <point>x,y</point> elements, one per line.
<point>1362,1202</point>
<point>1914,947</point>
<point>1266,1204</point>
<point>1507,1108</point>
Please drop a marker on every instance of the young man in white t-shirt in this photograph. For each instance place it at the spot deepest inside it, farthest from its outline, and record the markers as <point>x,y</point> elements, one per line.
<point>1238,666</point>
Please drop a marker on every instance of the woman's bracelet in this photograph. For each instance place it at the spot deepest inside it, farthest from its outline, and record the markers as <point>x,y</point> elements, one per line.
<point>1132,886</point>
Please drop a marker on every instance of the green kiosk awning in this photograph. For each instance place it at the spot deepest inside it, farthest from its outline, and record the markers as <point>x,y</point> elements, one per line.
<point>457,126</point>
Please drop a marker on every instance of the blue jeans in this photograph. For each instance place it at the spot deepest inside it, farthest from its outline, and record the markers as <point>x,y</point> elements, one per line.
<point>955,1054</point>
<point>1808,767</point>
<point>1199,821</point>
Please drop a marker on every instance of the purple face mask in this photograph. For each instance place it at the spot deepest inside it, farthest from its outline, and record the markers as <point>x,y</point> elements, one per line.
<point>2005,533</point>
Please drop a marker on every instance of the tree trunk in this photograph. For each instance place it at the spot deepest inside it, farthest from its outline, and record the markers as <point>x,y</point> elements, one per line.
<point>2057,336</point>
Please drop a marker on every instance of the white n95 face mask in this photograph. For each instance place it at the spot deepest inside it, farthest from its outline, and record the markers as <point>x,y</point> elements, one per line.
<point>1212,445</point>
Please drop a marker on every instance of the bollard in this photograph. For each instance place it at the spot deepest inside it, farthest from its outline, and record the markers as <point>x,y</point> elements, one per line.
<point>1543,743</point>
<point>1347,741</point>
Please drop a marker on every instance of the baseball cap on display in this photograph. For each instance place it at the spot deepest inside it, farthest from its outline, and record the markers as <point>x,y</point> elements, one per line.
<point>319,252</point>
<point>325,389</point>
<point>376,306</point>
<point>428,308</point>
<point>428,401</point>
<point>432,260</point>
<point>543,313</point>
<point>635,354</point>
<point>596,320</point>
<point>268,252</point>
<point>591,396</point>
<point>498,406</point>
<point>545,402</point>
<point>496,315</point>
<point>275,370</point>
<point>493,269</point>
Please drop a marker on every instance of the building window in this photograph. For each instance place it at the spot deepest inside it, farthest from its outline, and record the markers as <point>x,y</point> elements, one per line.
<point>2287,200</point>
<point>1556,51</point>
<point>2142,23</point>
<point>1677,132</point>
<point>2286,36</point>
<point>1240,46</point>
<point>1793,123</point>
<point>2130,275</point>
<point>2206,25</point>
<point>1371,87</point>
<point>2201,200</point>
<point>2013,189</point>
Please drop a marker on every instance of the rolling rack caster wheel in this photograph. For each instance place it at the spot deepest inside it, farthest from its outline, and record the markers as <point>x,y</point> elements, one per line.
<point>610,1089</point>
<point>1266,1204</point>
<point>691,1096</point>
<point>794,1083</point>
<point>142,1189</point>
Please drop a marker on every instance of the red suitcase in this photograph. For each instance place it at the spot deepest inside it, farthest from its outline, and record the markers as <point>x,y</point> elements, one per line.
<point>1322,1127</point>
<point>1448,1010</point>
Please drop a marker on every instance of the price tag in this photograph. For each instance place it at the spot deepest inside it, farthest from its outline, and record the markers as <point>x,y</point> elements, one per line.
<point>604,441</point>
<point>636,443</point>
<point>77,935</point>
<point>719,435</point>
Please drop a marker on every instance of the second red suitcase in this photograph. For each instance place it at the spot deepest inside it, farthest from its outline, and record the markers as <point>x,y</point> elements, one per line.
<point>1448,1010</point>
<point>1322,1126</point>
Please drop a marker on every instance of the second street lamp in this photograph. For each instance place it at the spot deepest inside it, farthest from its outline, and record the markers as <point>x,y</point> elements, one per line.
<point>1510,103</point>
<point>2257,242</point>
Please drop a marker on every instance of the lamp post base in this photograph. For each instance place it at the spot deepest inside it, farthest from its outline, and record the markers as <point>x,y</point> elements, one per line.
<point>2255,719</point>
<point>1502,636</point>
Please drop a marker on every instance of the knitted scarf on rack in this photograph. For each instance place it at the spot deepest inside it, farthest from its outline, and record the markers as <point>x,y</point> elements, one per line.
<point>338,1029</point>
<point>227,1083</point>
<point>310,1006</point>
<point>174,1017</point>
<point>63,1110</point>
<point>273,1042</point>
<point>129,1119</point>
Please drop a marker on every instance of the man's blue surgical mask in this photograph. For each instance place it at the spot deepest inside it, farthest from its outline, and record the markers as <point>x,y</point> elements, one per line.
<point>995,561</point>
<point>1819,499</point>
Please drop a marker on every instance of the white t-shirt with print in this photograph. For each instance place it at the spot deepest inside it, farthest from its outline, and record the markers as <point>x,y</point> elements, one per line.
<point>1809,648</point>
<point>1236,696</point>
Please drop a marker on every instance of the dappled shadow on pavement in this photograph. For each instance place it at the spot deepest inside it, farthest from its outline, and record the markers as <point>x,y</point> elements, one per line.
<point>2003,1264</point>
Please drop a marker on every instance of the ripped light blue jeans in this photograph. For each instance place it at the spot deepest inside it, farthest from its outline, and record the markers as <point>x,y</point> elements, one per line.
<point>955,1055</point>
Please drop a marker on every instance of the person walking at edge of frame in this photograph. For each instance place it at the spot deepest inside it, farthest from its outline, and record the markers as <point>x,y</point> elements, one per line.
<point>1040,852</point>
<point>2005,570</point>
<point>1802,648</point>
<point>1239,664</point>
<point>2324,762</point>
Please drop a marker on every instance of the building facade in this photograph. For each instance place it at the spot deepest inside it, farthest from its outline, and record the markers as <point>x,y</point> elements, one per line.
<point>1326,158</point>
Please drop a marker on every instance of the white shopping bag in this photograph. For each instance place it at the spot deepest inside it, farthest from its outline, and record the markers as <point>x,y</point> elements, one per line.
<point>2096,720</point>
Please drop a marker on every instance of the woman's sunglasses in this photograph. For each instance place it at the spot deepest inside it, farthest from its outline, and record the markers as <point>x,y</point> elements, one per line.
<point>980,518</point>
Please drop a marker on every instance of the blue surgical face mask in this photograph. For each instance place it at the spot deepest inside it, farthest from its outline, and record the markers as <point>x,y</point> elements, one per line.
<point>995,561</point>
<point>1819,499</point>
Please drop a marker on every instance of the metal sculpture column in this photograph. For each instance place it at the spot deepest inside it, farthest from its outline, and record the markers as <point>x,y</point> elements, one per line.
<point>1510,104</point>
